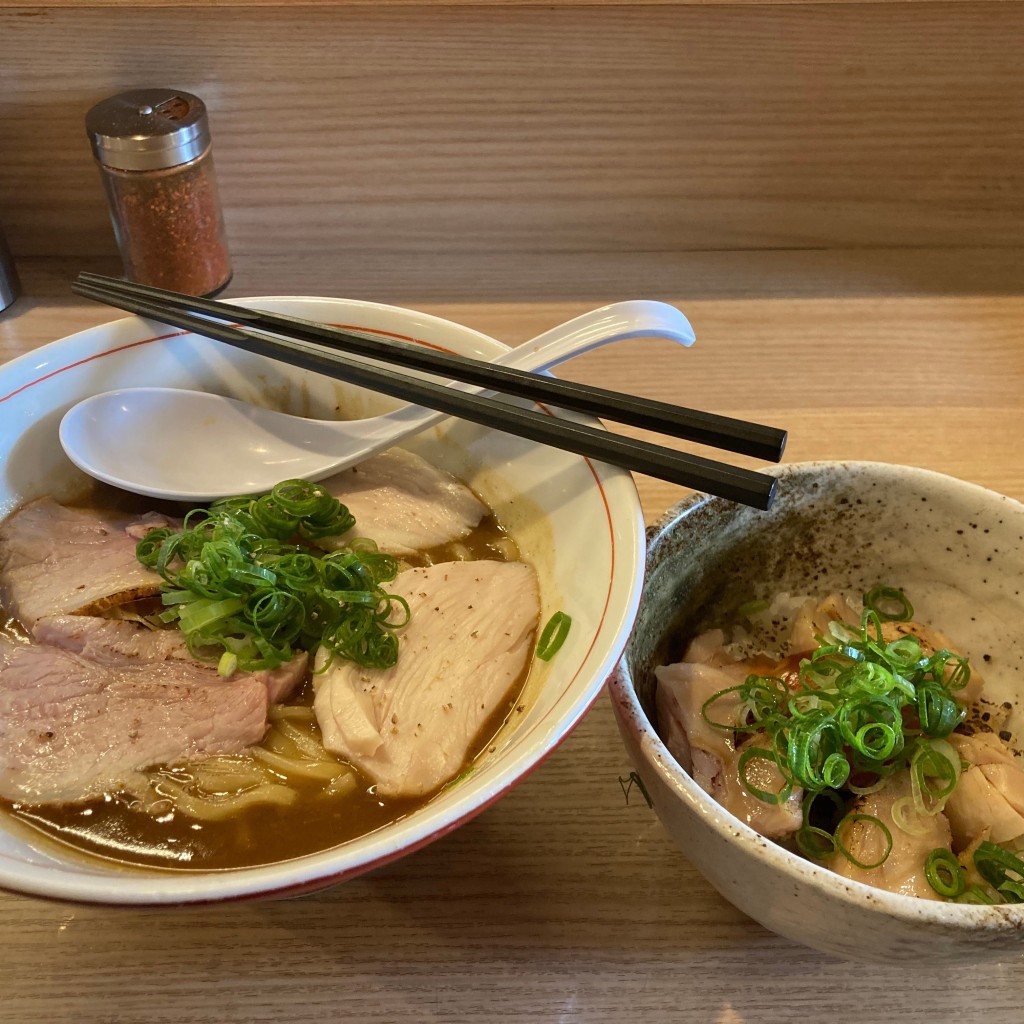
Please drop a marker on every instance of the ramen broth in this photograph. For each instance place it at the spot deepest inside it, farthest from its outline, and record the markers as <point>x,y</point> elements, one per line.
<point>110,826</point>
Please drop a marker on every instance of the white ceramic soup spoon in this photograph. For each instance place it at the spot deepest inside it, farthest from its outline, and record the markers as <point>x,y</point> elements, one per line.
<point>159,441</point>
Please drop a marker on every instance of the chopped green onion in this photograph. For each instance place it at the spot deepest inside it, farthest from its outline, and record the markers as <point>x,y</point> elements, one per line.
<point>851,818</point>
<point>889,604</point>
<point>760,754</point>
<point>866,788</point>
<point>749,608</point>
<point>228,664</point>
<point>553,636</point>
<point>961,674</point>
<point>861,709</point>
<point>1002,870</point>
<point>876,741</point>
<point>725,726</point>
<point>938,713</point>
<point>908,819</point>
<point>934,773</point>
<point>241,579</point>
<point>815,842</point>
<point>944,873</point>
<point>1013,891</point>
<point>835,771</point>
<point>199,615</point>
<point>857,705</point>
<point>975,894</point>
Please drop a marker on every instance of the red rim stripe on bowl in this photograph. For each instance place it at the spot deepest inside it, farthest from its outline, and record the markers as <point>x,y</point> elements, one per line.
<point>324,881</point>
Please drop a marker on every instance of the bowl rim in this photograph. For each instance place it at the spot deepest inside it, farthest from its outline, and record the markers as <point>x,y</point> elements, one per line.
<point>84,880</point>
<point>632,717</point>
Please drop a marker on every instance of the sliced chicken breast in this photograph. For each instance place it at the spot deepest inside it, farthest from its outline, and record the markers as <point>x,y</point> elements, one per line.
<point>989,798</point>
<point>710,754</point>
<point>903,870</point>
<point>931,640</point>
<point>412,727</point>
<point>813,619</point>
<point>699,747</point>
<point>404,503</point>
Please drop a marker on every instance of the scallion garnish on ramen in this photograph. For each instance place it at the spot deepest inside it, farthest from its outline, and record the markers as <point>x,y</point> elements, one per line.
<point>263,678</point>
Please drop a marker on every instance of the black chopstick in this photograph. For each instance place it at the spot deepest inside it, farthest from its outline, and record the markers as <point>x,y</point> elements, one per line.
<point>731,482</point>
<point>725,432</point>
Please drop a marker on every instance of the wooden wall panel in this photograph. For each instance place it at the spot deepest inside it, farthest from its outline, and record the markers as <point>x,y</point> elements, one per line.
<point>60,4</point>
<point>562,129</point>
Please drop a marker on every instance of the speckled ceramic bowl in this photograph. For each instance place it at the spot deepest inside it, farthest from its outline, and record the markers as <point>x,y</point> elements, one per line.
<point>957,549</point>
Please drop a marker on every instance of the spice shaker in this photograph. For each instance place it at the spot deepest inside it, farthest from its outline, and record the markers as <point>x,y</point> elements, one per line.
<point>153,147</point>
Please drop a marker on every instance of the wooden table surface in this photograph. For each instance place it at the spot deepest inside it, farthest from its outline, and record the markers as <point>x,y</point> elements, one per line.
<point>564,902</point>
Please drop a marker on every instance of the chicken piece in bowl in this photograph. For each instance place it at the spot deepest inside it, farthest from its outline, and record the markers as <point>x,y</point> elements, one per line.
<point>907,849</point>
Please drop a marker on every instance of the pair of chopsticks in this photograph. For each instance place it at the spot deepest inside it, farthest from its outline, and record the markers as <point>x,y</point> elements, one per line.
<point>320,348</point>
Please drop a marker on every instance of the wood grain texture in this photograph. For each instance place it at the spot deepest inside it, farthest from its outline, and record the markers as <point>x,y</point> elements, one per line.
<point>545,129</point>
<point>530,277</point>
<point>48,5</point>
<point>562,902</point>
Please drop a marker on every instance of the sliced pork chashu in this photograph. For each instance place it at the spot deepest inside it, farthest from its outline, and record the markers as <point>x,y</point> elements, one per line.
<point>117,642</point>
<point>411,728</point>
<point>404,503</point>
<point>82,712</point>
<point>56,560</point>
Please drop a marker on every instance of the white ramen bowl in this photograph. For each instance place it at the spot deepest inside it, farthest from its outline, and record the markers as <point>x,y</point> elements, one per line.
<point>579,523</point>
<point>957,551</point>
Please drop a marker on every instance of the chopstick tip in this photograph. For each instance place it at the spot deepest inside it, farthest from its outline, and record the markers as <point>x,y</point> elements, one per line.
<point>771,495</point>
<point>781,450</point>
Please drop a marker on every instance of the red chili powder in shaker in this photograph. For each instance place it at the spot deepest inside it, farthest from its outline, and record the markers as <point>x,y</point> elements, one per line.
<point>154,151</point>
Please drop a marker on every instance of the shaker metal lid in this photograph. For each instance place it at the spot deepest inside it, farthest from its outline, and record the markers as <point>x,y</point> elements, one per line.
<point>145,129</point>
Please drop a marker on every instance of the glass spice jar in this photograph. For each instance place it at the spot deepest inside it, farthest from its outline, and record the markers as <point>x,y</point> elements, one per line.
<point>153,147</point>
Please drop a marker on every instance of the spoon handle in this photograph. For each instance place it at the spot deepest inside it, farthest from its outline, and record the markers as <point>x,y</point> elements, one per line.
<point>742,485</point>
<point>509,374</point>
